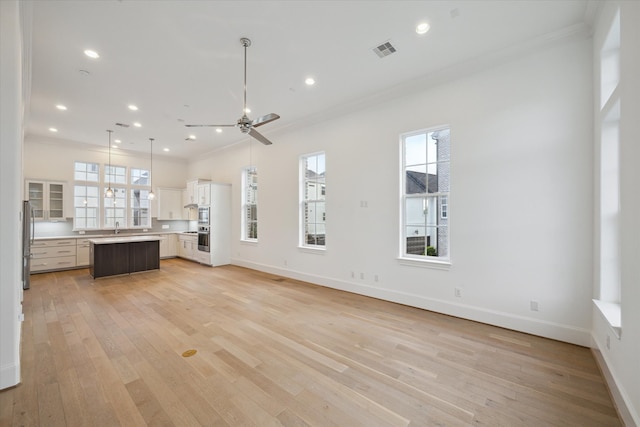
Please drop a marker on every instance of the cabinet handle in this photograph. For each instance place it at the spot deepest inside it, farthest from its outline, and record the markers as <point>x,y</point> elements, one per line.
<point>63,262</point>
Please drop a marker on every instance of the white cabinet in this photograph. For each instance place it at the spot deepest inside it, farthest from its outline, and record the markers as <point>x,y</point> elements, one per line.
<point>170,205</point>
<point>188,246</point>
<point>204,194</point>
<point>191,195</point>
<point>190,214</point>
<point>168,245</point>
<point>47,199</point>
<point>82,252</point>
<point>55,254</point>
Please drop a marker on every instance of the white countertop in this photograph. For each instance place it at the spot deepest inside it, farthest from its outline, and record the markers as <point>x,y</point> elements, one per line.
<point>123,239</point>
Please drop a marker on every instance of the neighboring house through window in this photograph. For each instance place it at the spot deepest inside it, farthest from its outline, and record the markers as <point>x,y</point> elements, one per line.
<point>312,200</point>
<point>425,194</point>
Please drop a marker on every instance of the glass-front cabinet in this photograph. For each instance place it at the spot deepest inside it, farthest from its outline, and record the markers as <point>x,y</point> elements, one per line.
<point>47,199</point>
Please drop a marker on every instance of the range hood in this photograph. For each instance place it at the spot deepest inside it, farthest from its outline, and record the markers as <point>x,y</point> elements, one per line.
<point>191,206</point>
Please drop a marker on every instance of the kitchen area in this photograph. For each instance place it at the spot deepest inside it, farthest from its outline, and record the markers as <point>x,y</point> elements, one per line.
<point>192,222</point>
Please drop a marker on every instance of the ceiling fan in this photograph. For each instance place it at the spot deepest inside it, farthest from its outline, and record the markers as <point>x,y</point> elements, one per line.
<point>245,124</point>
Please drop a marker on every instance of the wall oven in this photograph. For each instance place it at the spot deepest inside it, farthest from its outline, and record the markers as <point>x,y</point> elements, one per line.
<point>203,215</point>
<point>204,238</point>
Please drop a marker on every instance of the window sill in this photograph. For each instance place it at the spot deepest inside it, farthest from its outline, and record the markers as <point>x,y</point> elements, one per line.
<point>312,250</point>
<point>425,263</point>
<point>611,313</point>
<point>249,242</point>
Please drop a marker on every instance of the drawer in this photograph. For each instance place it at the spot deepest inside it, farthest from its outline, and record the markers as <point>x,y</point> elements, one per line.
<point>83,243</point>
<point>52,252</point>
<point>53,243</point>
<point>57,263</point>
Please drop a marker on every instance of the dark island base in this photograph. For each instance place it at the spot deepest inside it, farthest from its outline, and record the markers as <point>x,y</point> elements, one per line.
<point>123,258</point>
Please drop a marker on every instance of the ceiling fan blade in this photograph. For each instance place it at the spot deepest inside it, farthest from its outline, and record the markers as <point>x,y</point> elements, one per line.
<point>254,133</point>
<point>210,126</point>
<point>264,119</point>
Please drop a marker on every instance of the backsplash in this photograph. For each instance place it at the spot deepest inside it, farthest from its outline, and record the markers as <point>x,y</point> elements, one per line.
<point>65,228</point>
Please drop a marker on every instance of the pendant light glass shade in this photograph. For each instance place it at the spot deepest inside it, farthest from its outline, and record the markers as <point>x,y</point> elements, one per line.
<point>151,194</point>
<point>109,193</point>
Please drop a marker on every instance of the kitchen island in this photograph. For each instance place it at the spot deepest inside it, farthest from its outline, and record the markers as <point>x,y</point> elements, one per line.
<point>111,256</point>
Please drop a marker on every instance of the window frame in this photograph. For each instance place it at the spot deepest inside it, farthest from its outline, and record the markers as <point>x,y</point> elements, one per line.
<point>437,196</point>
<point>304,201</point>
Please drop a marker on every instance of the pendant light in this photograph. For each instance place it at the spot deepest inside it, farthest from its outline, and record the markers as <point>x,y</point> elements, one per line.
<point>109,193</point>
<point>151,195</point>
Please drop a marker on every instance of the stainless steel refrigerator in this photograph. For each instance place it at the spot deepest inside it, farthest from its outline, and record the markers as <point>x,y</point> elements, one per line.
<point>27,238</point>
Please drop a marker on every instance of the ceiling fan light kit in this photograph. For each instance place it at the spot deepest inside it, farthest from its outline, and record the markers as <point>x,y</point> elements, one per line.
<point>244,123</point>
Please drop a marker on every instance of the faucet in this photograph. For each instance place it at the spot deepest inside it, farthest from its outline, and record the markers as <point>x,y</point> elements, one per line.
<point>117,225</point>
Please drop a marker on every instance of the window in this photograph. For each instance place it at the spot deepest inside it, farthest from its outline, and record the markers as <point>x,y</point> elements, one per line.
<point>312,200</point>
<point>86,197</point>
<point>129,208</point>
<point>609,297</point>
<point>140,208</point>
<point>250,204</point>
<point>425,194</point>
<point>115,208</point>
<point>139,204</point>
<point>115,174</point>
<point>139,177</point>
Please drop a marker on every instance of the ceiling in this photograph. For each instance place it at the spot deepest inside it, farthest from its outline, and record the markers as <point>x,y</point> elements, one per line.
<point>181,62</point>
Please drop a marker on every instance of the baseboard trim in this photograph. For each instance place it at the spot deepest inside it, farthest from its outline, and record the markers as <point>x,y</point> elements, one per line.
<point>616,394</point>
<point>524,324</point>
<point>9,375</point>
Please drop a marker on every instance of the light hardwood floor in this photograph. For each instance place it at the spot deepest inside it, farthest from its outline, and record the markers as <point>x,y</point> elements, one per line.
<point>274,351</point>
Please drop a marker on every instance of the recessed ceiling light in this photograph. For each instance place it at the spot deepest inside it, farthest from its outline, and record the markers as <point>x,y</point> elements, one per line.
<point>136,124</point>
<point>114,146</point>
<point>309,81</point>
<point>165,149</point>
<point>219,130</point>
<point>53,129</point>
<point>422,28</point>
<point>91,54</point>
<point>61,107</point>
<point>133,107</point>
<point>192,137</point>
<point>117,141</point>
<point>247,110</point>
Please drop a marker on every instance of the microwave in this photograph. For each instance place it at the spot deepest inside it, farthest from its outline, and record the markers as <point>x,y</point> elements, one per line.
<point>203,215</point>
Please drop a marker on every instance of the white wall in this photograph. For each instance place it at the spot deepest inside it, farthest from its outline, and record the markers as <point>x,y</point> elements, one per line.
<point>53,159</point>
<point>520,208</point>
<point>622,354</point>
<point>11,117</point>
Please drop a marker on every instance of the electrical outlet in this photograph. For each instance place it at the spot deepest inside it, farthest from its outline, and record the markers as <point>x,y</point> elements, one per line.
<point>362,276</point>
<point>165,226</point>
<point>458,292</point>
<point>285,262</point>
<point>353,275</point>
<point>534,305</point>
<point>375,278</point>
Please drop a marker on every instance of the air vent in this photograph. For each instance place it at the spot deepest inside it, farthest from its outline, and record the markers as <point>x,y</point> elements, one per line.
<point>385,49</point>
<point>122,125</point>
